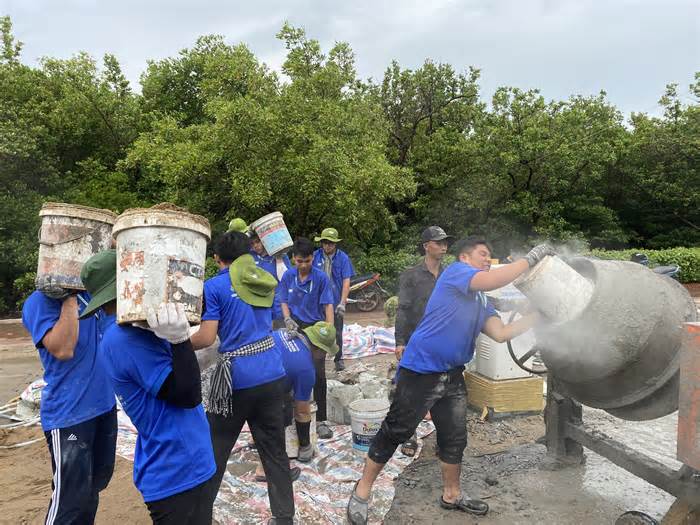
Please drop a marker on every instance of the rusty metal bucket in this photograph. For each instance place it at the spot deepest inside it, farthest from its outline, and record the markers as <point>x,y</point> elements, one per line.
<point>161,254</point>
<point>70,234</point>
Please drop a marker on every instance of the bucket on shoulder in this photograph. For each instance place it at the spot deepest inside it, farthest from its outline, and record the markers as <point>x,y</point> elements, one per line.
<point>70,234</point>
<point>273,233</point>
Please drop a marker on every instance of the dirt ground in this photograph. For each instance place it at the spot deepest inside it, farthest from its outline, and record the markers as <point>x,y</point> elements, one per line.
<point>503,465</point>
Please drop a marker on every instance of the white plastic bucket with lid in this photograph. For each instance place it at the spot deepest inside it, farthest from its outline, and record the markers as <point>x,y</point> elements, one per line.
<point>161,253</point>
<point>70,234</point>
<point>556,289</point>
<point>273,233</point>
<point>366,416</point>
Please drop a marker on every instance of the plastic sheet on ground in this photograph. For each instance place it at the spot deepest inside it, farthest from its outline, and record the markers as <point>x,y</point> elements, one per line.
<point>321,493</point>
<point>362,341</point>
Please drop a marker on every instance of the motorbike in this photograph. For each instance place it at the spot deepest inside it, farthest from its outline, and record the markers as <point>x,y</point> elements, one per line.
<point>365,292</point>
<point>670,270</point>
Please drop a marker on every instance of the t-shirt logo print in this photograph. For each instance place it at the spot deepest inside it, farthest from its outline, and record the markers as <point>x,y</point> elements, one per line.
<point>72,437</point>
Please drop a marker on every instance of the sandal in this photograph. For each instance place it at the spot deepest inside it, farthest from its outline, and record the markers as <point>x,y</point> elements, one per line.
<point>472,506</point>
<point>294,471</point>
<point>357,509</point>
<point>410,447</point>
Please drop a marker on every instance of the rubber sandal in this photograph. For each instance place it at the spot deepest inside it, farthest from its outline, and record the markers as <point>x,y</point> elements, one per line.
<point>294,471</point>
<point>472,506</point>
<point>358,508</point>
<point>410,447</point>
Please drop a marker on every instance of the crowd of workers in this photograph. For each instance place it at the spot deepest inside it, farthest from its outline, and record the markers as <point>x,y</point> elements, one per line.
<point>276,323</point>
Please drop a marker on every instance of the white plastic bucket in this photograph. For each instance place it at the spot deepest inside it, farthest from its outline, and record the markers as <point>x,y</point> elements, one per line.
<point>366,416</point>
<point>69,236</point>
<point>556,289</point>
<point>273,233</point>
<point>161,254</point>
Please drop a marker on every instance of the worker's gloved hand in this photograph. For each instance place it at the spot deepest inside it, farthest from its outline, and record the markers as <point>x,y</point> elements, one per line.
<point>169,322</point>
<point>49,288</point>
<point>292,327</point>
<point>538,253</point>
<point>340,310</point>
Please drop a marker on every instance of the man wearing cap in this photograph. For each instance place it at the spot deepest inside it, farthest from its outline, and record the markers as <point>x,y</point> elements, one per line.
<point>306,298</point>
<point>248,384</point>
<point>157,380</point>
<point>415,286</point>
<point>430,375</point>
<point>78,412</point>
<point>274,265</point>
<point>338,267</point>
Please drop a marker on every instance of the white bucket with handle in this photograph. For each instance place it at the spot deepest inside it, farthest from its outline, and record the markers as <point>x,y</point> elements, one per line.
<point>366,416</point>
<point>273,233</point>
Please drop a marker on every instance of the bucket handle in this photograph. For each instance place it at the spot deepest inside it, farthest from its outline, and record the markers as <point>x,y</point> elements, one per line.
<point>64,241</point>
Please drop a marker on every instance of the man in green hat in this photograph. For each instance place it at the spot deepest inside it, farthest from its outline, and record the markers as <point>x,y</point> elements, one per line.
<point>157,379</point>
<point>338,267</point>
<point>78,412</point>
<point>248,384</point>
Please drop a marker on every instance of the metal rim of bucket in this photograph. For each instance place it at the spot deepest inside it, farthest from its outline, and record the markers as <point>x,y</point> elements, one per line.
<point>62,209</point>
<point>148,217</point>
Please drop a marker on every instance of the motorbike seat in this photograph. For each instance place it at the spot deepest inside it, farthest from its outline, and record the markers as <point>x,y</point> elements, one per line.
<point>359,278</point>
<point>666,270</point>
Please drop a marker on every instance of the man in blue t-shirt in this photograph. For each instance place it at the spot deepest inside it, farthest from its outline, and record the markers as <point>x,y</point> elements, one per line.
<point>78,412</point>
<point>157,380</point>
<point>248,384</point>
<point>430,375</point>
<point>274,265</point>
<point>337,266</point>
<point>306,297</point>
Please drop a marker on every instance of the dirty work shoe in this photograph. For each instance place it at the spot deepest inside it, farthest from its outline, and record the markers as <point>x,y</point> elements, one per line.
<point>305,453</point>
<point>357,508</point>
<point>323,431</point>
<point>339,365</point>
<point>463,503</point>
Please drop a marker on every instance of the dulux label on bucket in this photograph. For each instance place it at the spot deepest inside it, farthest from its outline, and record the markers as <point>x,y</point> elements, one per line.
<point>363,432</point>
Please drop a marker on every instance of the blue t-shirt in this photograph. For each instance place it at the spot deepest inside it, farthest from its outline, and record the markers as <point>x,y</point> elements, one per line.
<point>241,324</point>
<point>298,364</point>
<point>341,269</point>
<point>77,389</point>
<point>269,264</point>
<point>173,448</point>
<point>306,299</point>
<point>453,319</point>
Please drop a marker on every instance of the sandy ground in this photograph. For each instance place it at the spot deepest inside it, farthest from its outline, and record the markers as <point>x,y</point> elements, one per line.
<point>503,465</point>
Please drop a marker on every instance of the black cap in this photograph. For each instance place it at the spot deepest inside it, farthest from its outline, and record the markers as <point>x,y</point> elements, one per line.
<point>434,233</point>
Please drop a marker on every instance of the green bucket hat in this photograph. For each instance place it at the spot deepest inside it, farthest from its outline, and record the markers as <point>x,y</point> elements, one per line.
<point>237,225</point>
<point>253,285</point>
<point>322,335</point>
<point>99,276</point>
<point>328,234</point>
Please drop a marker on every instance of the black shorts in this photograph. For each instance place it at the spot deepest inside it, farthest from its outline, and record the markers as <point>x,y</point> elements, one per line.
<point>444,395</point>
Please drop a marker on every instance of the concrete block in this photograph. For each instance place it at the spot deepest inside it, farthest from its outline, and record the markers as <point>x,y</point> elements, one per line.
<point>338,400</point>
<point>374,390</point>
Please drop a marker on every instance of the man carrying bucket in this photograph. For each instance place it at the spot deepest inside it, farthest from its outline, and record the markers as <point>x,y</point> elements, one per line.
<point>78,408</point>
<point>306,298</point>
<point>430,375</point>
<point>157,381</point>
<point>248,384</point>
<point>338,267</point>
<point>274,265</point>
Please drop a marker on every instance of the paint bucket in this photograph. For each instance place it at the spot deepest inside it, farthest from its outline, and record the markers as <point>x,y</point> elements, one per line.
<point>291,440</point>
<point>366,416</point>
<point>556,289</point>
<point>161,253</point>
<point>69,236</point>
<point>273,233</point>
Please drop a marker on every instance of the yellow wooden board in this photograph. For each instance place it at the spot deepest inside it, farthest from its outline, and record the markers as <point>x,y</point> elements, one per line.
<point>507,395</point>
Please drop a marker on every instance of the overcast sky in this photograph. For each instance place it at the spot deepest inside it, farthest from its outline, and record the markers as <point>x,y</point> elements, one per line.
<point>629,48</point>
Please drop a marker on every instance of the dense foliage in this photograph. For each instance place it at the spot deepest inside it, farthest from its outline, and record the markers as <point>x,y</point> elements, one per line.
<point>213,129</point>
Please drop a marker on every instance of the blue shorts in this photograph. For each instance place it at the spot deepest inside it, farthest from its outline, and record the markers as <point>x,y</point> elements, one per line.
<point>302,383</point>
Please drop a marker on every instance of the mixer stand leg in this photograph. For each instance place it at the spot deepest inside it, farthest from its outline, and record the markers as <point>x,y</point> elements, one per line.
<point>559,411</point>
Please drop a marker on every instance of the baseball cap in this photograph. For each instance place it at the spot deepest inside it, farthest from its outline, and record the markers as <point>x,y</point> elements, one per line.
<point>434,233</point>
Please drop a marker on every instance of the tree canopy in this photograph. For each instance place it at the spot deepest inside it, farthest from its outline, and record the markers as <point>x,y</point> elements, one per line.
<point>214,130</point>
